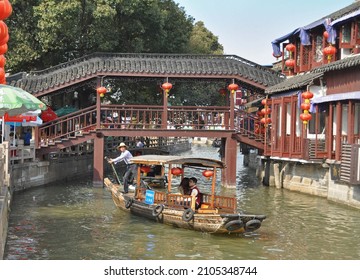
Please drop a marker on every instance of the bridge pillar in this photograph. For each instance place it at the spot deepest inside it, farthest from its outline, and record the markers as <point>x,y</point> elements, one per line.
<point>228,178</point>
<point>98,175</point>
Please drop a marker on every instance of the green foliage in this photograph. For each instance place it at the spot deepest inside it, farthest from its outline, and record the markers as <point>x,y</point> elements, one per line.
<point>202,41</point>
<point>45,33</point>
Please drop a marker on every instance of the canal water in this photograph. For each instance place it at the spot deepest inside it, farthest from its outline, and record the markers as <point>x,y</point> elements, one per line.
<point>75,221</point>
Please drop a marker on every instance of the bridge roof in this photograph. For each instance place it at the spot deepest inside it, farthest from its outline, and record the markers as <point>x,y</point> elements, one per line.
<point>145,65</point>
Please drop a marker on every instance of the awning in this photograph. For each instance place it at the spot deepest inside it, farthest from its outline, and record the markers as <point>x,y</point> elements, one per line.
<point>333,97</point>
<point>304,34</point>
<point>336,97</point>
<point>65,110</point>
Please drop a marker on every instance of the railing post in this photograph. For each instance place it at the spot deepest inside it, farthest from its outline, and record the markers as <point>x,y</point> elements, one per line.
<point>165,111</point>
<point>232,111</point>
<point>98,105</point>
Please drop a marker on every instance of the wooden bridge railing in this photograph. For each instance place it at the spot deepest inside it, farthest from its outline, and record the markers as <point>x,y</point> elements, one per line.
<point>132,117</point>
<point>150,117</point>
<point>66,127</point>
<point>248,124</point>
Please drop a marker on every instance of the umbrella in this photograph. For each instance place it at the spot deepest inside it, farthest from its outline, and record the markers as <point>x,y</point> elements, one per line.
<point>19,118</point>
<point>37,122</point>
<point>48,115</point>
<point>15,101</point>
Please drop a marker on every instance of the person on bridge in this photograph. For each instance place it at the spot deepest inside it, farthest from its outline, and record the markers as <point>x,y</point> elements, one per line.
<point>139,143</point>
<point>131,169</point>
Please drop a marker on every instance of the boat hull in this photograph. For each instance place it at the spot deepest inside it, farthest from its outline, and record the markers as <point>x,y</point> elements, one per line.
<point>185,218</point>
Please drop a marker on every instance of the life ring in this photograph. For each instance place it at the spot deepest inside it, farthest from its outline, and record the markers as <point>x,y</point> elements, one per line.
<point>234,225</point>
<point>129,203</point>
<point>188,215</point>
<point>157,210</point>
<point>252,225</point>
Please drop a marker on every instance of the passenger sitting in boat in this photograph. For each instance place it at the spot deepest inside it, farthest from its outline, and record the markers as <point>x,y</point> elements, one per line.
<point>184,187</point>
<point>195,192</point>
<point>155,171</point>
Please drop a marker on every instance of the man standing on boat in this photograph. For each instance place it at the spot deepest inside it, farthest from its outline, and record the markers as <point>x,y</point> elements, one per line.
<point>131,169</point>
<point>195,192</point>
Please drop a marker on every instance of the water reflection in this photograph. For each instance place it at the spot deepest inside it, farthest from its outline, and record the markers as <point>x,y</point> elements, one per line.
<point>76,221</point>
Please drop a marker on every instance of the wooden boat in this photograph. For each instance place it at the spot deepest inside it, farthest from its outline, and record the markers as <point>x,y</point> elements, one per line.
<point>217,214</point>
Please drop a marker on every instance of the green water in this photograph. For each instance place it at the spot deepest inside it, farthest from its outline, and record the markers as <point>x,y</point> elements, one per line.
<point>75,221</point>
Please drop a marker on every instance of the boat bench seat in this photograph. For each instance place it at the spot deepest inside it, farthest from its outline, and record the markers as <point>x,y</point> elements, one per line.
<point>203,211</point>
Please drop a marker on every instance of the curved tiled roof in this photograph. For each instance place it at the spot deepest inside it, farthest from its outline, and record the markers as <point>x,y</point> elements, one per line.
<point>344,11</point>
<point>305,79</point>
<point>145,65</point>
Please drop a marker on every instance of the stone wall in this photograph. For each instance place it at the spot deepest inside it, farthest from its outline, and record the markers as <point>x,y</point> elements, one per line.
<point>33,174</point>
<point>4,218</point>
<point>310,178</point>
<point>4,206</point>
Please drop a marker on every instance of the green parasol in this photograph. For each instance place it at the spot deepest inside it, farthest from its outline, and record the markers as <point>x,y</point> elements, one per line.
<point>15,101</point>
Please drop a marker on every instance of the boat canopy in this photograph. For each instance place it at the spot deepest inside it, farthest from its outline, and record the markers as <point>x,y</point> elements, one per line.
<point>186,161</point>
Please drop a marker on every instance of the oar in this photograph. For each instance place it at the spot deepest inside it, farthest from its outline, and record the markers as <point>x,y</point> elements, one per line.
<point>115,173</point>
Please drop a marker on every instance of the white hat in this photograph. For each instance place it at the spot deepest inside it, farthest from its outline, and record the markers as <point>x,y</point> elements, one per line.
<point>122,144</point>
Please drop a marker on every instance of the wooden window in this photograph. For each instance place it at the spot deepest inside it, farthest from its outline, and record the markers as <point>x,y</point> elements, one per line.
<point>305,58</point>
<point>357,28</point>
<point>348,35</point>
<point>318,50</point>
<point>288,119</point>
<point>357,124</point>
<point>320,126</point>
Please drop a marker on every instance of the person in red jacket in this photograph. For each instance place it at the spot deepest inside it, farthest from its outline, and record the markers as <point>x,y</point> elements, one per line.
<point>195,192</point>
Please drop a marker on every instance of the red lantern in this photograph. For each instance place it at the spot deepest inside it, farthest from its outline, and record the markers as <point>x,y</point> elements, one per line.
<point>4,39</point>
<point>2,73</point>
<point>101,91</point>
<point>3,29</point>
<point>166,87</point>
<point>305,106</point>
<point>5,9</point>
<point>222,91</point>
<point>266,111</point>
<point>290,47</point>
<point>233,87</point>
<point>307,95</point>
<point>3,48</point>
<point>265,120</point>
<point>2,61</point>
<point>290,63</point>
<point>208,173</point>
<point>145,169</point>
<point>176,171</point>
<point>264,101</point>
<point>329,51</point>
<point>305,117</point>
<point>326,34</point>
